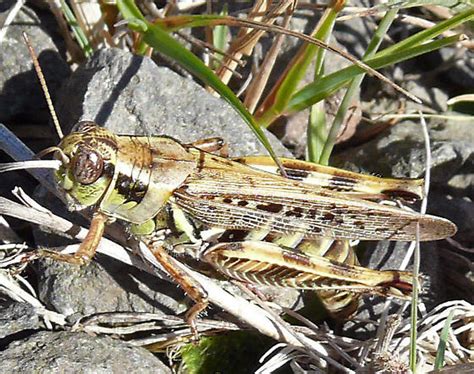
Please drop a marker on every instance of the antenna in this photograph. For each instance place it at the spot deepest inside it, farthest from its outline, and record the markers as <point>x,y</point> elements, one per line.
<point>44,87</point>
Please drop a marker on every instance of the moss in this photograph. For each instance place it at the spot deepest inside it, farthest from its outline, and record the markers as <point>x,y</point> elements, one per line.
<point>233,352</point>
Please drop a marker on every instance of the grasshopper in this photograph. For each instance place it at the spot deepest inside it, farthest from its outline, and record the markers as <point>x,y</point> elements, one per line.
<point>239,215</point>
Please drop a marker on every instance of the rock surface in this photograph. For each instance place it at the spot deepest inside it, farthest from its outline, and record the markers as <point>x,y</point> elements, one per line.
<point>105,286</point>
<point>132,95</point>
<point>66,352</point>
<point>18,76</point>
<point>17,319</point>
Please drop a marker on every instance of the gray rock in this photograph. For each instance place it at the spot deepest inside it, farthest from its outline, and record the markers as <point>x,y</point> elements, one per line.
<point>18,76</point>
<point>132,95</point>
<point>389,255</point>
<point>105,285</point>
<point>459,210</point>
<point>400,152</point>
<point>460,66</point>
<point>65,352</point>
<point>355,33</point>
<point>17,318</point>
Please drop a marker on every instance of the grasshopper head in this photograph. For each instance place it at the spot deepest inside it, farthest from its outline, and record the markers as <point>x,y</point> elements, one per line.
<point>87,158</point>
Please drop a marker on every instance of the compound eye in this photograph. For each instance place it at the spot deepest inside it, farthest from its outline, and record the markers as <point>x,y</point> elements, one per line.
<point>87,166</point>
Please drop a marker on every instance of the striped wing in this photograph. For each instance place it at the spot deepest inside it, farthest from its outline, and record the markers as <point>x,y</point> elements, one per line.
<point>353,184</point>
<point>227,194</point>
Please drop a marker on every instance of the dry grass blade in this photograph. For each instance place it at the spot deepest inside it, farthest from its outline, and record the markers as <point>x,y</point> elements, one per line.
<point>11,254</point>
<point>308,39</point>
<point>257,85</point>
<point>44,87</point>
<point>11,287</point>
<point>33,164</point>
<point>71,45</point>
<point>90,20</point>
<point>146,329</point>
<point>14,10</point>
<point>316,351</point>
<point>247,38</point>
<point>209,47</point>
<point>15,148</point>
<point>55,223</point>
<point>430,327</point>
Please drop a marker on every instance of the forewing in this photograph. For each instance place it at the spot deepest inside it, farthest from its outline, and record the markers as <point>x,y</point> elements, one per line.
<point>227,194</point>
<point>352,184</point>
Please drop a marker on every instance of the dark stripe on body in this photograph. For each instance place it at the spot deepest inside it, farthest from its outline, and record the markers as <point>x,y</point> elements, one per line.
<point>343,182</point>
<point>296,174</point>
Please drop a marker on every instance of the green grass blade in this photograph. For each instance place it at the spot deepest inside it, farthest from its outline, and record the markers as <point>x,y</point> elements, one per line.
<point>439,361</point>
<point>159,39</point>
<point>76,29</point>
<point>317,132</point>
<point>219,35</point>
<point>374,44</point>
<point>414,303</point>
<point>298,66</point>
<point>404,50</point>
<point>430,33</point>
<point>317,128</point>
<point>314,92</point>
<point>178,22</point>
